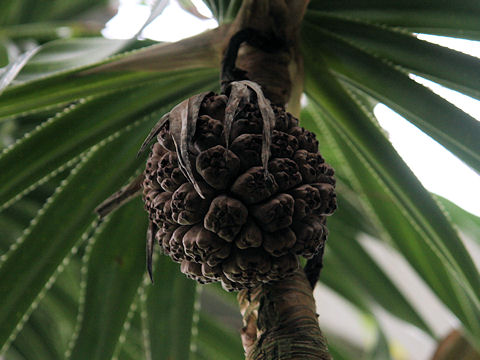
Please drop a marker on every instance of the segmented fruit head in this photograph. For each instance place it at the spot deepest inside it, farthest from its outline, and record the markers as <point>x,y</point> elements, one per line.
<point>235,189</point>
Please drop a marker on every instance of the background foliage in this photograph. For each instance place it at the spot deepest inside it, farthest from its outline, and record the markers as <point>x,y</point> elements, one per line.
<point>75,107</point>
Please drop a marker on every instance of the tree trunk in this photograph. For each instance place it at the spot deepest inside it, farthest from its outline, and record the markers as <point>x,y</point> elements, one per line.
<point>280,321</point>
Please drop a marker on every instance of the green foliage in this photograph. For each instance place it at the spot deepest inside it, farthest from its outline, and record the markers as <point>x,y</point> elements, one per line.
<point>74,113</point>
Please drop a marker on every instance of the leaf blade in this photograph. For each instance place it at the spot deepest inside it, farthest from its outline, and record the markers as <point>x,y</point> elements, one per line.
<point>77,128</point>
<point>170,305</point>
<point>360,135</point>
<point>114,275</point>
<point>197,54</point>
<point>64,54</point>
<point>216,341</point>
<point>448,67</point>
<point>23,273</point>
<point>444,18</point>
<point>435,115</point>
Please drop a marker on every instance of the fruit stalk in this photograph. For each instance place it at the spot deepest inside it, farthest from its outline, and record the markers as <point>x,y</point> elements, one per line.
<point>280,321</point>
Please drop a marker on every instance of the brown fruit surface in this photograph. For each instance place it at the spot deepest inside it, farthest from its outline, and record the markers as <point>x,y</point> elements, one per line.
<point>219,210</point>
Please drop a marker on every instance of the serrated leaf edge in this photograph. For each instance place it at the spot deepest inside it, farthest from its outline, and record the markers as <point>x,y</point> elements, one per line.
<point>90,241</point>
<point>72,161</point>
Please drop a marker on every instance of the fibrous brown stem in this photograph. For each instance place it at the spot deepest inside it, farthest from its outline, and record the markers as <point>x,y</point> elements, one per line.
<point>455,346</point>
<point>280,322</point>
<point>274,71</point>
